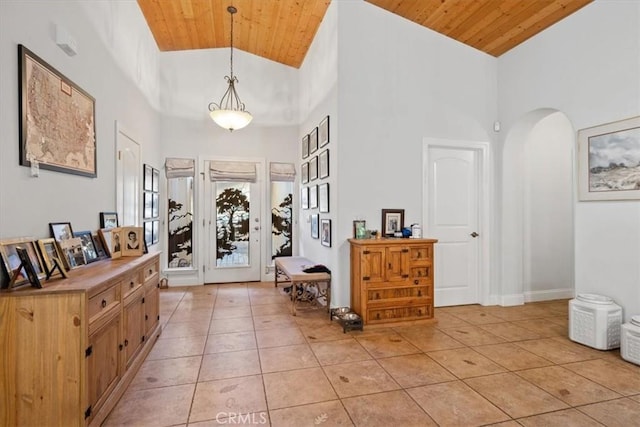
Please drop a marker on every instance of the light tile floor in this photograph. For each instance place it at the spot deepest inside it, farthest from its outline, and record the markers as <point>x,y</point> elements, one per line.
<point>233,355</point>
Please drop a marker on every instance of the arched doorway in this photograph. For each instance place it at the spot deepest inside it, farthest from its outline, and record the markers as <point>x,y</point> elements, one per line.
<point>538,194</point>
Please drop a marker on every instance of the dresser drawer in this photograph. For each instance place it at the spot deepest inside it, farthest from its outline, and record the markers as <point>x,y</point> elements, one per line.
<point>420,273</point>
<point>130,284</point>
<point>102,302</point>
<point>397,314</point>
<point>151,270</point>
<point>419,254</point>
<point>384,294</point>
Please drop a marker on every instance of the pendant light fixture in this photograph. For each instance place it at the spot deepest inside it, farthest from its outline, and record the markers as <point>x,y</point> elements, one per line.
<point>230,113</point>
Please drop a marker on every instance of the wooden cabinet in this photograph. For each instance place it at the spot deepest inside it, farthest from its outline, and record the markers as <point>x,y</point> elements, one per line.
<point>63,357</point>
<point>392,279</point>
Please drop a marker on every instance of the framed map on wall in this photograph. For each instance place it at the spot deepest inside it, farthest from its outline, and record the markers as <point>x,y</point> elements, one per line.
<point>57,119</point>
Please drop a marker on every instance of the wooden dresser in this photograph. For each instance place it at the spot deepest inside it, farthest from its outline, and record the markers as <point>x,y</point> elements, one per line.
<point>69,350</point>
<point>392,279</point>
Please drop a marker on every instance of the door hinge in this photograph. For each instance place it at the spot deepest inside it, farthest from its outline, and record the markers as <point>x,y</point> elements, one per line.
<point>88,351</point>
<point>87,413</point>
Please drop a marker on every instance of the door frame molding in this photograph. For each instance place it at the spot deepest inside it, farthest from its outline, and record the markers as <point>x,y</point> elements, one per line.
<point>120,132</point>
<point>485,204</point>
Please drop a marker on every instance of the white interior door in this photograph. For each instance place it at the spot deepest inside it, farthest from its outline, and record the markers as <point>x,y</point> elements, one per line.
<point>234,231</point>
<point>128,171</point>
<point>453,182</point>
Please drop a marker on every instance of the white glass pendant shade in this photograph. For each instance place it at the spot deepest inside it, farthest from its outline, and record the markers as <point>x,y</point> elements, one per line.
<point>231,119</point>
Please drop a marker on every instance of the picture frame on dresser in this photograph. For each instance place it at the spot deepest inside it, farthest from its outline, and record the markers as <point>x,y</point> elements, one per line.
<point>49,251</point>
<point>132,241</point>
<point>88,246</point>
<point>392,221</point>
<point>11,260</point>
<point>109,220</point>
<point>61,230</point>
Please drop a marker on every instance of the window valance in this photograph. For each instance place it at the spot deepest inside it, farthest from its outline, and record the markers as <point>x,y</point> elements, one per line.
<point>282,171</point>
<point>179,168</point>
<point>232,171</point>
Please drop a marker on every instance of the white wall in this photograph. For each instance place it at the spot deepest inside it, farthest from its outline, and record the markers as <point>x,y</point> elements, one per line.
<point>29,204</point>
<point>587,67</point>
<point>548,210</point>
<point>398,83</point>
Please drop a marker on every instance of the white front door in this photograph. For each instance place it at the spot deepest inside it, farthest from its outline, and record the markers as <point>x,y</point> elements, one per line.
<point>128,171</point>
<point>233,229</point>
<point>453,188</point>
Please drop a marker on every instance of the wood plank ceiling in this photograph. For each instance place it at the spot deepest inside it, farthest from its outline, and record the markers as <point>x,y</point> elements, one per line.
<point>282,30</point>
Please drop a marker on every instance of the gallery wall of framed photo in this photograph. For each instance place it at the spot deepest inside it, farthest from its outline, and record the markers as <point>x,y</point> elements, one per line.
<point>151,204</point>
<point>314,185</point>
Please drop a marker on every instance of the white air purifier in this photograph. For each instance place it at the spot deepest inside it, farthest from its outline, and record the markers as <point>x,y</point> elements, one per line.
<point>595,320</point>
<point>630,342</point>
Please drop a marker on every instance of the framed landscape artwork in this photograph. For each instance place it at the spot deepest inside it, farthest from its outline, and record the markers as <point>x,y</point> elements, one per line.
<point>57,119</point>
<point>609,161</point>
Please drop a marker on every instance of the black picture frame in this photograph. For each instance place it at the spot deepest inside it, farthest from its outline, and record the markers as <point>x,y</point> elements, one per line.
<point>10,260</point>
<point>313,197</point>
<point>109,220</point>
<point>148,233</point>
<point>325,232</point>
<point>155,187</point>
<point>88,246</point>
<point>304,197</point>
<point>305,146</point>
<point>155,206</point>
<point>313,141</point>
<point>323,132</point>
<point>97,241</point>
<point>25,262</point>
<point>315,226</point>
<point>70,117</point>
<point>147,177</point>
<point>323,197</point>
<point>323,164</point>
<point>313,168</point>
<point>304,170</point>
<point>156,230</point>
<point>61,230</point>
<point>147,205</point>
<point>392,221</point>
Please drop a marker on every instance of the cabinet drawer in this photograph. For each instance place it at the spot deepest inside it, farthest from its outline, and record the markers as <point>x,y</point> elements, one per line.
<point>420,253</point>
<point>395,293</point>
<point>151,270</point>
<point>130,284</point>
<point>391,314</point>
<point>102,302</point>
<point>420,273</point>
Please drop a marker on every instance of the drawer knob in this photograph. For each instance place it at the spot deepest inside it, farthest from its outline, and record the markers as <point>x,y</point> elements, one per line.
<point>131,284</point>
<point>415,282</point>
<point>150,271</point>
<point>126,343</point>
<point>120,347</point>
<point>104,303</point>
<point>419,293</point>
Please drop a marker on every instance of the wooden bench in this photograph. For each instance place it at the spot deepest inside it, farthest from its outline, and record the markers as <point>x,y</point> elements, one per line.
<point>292,267</point>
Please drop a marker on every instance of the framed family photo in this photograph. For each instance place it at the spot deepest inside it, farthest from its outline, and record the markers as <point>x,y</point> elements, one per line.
<point>392,221</point>
<point>11,260</point>
<point>108,219</point>
<point>325,232</point>
<point>609,161</point>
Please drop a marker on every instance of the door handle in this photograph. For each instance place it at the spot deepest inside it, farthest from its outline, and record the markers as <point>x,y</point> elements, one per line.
<point>474,234</point>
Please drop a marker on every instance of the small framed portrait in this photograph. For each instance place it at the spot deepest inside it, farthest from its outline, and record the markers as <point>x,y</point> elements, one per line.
<point>73,253</point>
<point>155,187</point>
<point>313,141</point>
<point>148,233</point>
<point>109,220</point>
<point>392,221</point>
<point>305,146</point>
<point>133,244</point>
<point>323,132</point>
<point>155,205</point>
<point>115,243</point>
<point>313,168</point>
<point>49,251</point>
<point>359,229</point>
<point>147,177</point>
<point>147,209</point>
<point>156,231</point>
<point>61,230</point>
<point>11,260</point>
<point>305,173</point>
<point>88,246</point>
<point>105,236</point>
<point>315,226</point>
<point>304,197</point>
<point>323,197</point>
<point>313,197</point>
<point>323,164</point>
<point>325,232</point>
<point>97,241</point>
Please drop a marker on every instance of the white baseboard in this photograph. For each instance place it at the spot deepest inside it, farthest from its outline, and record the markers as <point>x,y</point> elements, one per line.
<point>549,294</point>
<point>513,299</point>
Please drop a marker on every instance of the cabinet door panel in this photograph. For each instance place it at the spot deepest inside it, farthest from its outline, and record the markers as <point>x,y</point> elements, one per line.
<point>133,327</point>
<point>397,263</point>
<point>151,308</point>
<point>373,265</point>
<point>103,363</point>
